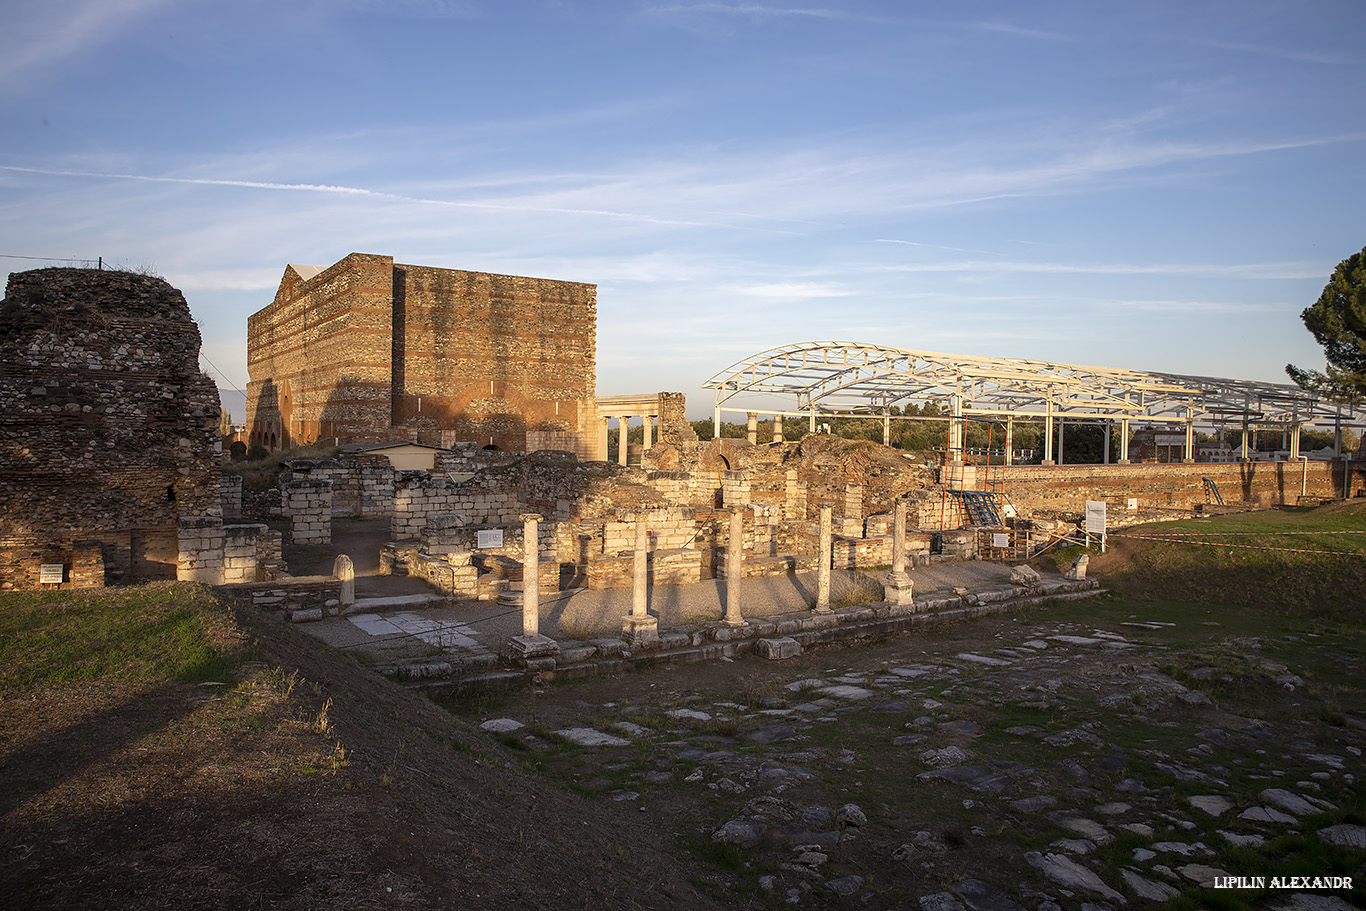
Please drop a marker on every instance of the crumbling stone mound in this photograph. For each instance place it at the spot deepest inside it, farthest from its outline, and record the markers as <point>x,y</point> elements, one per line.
<point>109,429</point>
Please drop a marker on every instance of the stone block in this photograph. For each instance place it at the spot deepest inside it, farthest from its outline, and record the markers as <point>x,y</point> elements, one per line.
<point>777,649</point>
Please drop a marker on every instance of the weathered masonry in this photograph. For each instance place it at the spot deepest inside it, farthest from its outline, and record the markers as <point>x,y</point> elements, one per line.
<point>108,429</point>
<point>368,350</point>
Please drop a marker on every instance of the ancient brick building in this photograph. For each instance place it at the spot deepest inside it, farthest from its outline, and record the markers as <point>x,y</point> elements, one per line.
<point>108,429</point>
<point>369,350</point>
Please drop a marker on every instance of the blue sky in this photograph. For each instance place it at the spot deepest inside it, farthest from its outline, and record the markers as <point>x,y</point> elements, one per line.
<point>1158,185</point>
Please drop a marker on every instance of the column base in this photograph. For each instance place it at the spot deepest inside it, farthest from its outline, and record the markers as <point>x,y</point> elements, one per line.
<point>1123,462</point>
<point>1048,462</point>
<point>1188,461</point>
<point>897,589</point>
<point>640,632</point>
<point>734,624</point>
<point>524,648</point>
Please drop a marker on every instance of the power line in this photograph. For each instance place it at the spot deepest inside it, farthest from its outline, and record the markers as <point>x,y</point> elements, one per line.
<point>220,372</point>
<point>48,259</point>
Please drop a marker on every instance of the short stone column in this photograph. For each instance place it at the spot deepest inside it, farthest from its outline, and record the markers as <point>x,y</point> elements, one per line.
<point>777,428</point>
<point>752,427</point>
<point>648,431</point>
<point>531,644</point>
<point>345,571</point>
<point>823,568</point>
<point>622,431</point>
<point>1078,570</point>
<point>735,552</point>
<point>640,629</point>
<point>896,587</point>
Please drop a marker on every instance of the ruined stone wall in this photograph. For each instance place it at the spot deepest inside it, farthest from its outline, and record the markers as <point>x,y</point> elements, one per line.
<point>1066,488</point>
<point>370,346</point>
<point>108,429</point>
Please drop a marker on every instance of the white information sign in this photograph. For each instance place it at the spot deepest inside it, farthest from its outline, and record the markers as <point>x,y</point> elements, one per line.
<point>1095,517</point>
<point>490,537</point>
<point>51,573</point>
<point>1169,439</point>
<point>1000,540</point>
<point>1133,503</point>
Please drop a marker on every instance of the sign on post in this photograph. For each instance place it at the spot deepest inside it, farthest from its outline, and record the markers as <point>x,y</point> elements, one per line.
<point>1095,520</point>
<point>51,573</point>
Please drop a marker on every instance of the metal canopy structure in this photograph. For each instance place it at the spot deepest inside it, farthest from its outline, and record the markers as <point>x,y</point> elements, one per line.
<point>851,378</point>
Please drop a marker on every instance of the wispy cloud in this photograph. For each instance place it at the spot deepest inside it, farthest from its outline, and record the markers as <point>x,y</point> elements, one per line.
<point>1293,270</point>
<point>1020,31</point>
<point>750,10</point>
<point>418,9</point>
<point>347,191</point>
<point>1282,53</point>
<point>792,290</point>
<point>41,35</point>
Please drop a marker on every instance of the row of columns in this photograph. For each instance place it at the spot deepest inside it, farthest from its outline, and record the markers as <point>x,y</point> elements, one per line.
<point>642,630</point>
<point>957,422</point>
<point>752,427</point>
<point>622,422</point>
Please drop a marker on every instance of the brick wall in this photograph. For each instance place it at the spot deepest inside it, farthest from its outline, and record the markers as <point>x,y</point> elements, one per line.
<point>369,345</point>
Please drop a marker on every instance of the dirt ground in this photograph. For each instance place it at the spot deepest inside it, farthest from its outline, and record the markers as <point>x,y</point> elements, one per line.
<point>314,783</point>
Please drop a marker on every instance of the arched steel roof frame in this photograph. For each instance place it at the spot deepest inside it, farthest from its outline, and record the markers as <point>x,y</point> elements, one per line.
<point>853,378</point>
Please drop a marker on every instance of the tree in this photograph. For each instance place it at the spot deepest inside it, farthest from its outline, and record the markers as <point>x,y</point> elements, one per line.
<point>1338,323</point>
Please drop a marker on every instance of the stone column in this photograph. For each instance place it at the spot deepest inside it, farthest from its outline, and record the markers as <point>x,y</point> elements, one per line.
<point>621,438</point>
<point>344,570</point>
<point>603,454</point>
<point>531,644</point>
<point>1242,449</point>
<point>886,428</point>
<point>1010,440</point>
<point>1048,432</point>
<point>640,629</point>
<point>823,567</point>
<point>752,427</point>
<point>735,552</point>
<point>896,587</point>
<point>649,428</point>
<point>777,428</point>
<point>1189,457</point>
<point>1124,441</point>
<point>1062,454</point>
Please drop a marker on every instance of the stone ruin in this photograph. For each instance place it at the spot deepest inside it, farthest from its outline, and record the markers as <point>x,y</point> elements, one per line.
<point>109,473</point>
<point>108,429</point>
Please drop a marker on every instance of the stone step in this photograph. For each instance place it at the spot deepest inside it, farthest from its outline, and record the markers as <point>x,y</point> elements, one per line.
<point>392,602</point>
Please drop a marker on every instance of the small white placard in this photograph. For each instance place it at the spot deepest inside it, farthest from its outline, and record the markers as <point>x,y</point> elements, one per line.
<point>490,537</point>
<point>1009,510</point>
<point>1133,503</point>
<point>51,573</point>
<point>1000,540</point>
<point>1095,517</point>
